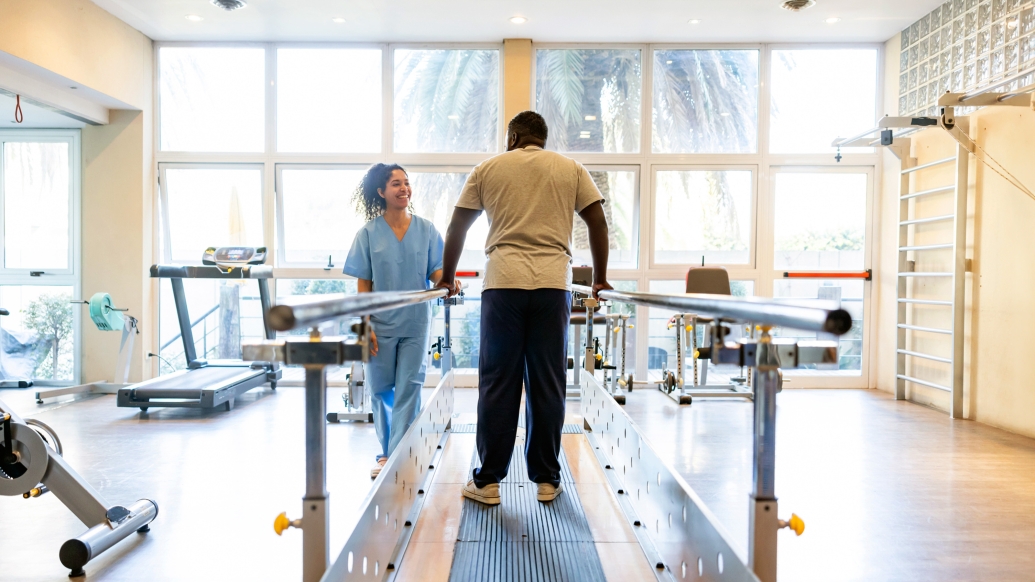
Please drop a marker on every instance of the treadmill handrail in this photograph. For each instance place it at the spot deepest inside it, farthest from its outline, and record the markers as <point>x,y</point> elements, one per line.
<point>737,309</point>
<point>211,272</point>
<point>303,312</point>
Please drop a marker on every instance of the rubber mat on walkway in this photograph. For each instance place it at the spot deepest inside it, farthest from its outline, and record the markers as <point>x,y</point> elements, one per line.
<point>523,540</point>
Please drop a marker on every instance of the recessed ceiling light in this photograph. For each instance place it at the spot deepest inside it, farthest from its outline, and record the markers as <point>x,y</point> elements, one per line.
<point>725,114</point>
<point>694,21</point>
<point>668,62</point>
<point>591,118</point>
<point>518,19</point>
<point>454,117</point>
<point>833,20</point>
<point>338,20</point>
<point>194,18</point>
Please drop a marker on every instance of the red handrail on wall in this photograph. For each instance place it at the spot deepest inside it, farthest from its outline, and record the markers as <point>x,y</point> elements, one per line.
<point>867,275</point>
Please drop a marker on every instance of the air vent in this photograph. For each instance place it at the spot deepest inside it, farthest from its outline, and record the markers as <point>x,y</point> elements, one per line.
<point>231,5</point>
<point>792,5</point>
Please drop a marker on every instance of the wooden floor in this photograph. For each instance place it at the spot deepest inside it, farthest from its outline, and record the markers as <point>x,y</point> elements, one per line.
<point>888,490</point>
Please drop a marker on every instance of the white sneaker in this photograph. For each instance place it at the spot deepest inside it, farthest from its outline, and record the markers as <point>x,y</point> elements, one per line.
<point>489,495</point>
<point>548,492</point>
<point>377,468</point>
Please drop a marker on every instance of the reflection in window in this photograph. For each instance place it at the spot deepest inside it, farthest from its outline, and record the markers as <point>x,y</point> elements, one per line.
<point>212,207</point>
<point>705,101</point>
<point>320,221</point>
<point>819,95</point>
<point>434,196</point>
<point>661,339</point>
<point>212,99</point>
<point>37,338</point>
<point>446,100</point>
<point>37,205</point>
<point>590,99</point>
<point>223,315</point>
<point>828,294</point>
<point>820,221</point>
<point>702,215</point>
<point>620,205</point>
<point>329,100</point>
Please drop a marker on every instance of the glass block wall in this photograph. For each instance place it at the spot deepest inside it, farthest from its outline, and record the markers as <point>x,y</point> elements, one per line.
<point>965,45</point>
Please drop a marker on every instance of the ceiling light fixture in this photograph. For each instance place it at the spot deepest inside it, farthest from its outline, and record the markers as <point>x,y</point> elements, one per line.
<point>694,21</point>
<point>453,117</point>
<point>797,5</point>
<point>230,5</point>
<point>338,20</point>
<point>518,19</point>
<point>833,20</point>
<point>194,18</point>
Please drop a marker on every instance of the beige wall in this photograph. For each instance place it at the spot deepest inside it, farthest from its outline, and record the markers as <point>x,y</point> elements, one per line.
<point>78,40</point>
<point>1001,243</point>
<point>517,77</point>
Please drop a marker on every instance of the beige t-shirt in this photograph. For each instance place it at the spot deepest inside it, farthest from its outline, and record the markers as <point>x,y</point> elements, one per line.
<point>530,196</point>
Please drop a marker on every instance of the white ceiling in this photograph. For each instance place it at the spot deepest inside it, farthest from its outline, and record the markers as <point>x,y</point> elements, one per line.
<point>33,117</point>
<point>548,20</point>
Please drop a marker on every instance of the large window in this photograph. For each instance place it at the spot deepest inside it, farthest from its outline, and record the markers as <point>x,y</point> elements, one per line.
<point>447,100</point>
<point>329,100</point>
<point>212,99</point>
<point>713,154</point>
<point>819,93</point>
<point>39,276</point>
<point>590,99</point>
<point>705,101</point>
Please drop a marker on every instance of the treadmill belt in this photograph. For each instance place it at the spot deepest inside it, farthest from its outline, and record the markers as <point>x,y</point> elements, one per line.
<point>204,377</point>
<point>523,540</point>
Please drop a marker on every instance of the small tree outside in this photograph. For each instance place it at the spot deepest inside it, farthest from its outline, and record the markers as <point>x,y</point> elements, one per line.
<point>50,316</point>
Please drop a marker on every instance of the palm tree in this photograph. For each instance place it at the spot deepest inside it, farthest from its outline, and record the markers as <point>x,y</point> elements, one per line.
<point>706,101</point>
<point>446,100</point>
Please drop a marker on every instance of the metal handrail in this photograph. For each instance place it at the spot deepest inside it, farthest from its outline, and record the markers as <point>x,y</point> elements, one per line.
<point>297,313</point>
<point>737,309</point>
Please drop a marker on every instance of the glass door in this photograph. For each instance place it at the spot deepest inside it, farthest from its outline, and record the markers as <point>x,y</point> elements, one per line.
<point>820,255</point>
<point>39,248</point>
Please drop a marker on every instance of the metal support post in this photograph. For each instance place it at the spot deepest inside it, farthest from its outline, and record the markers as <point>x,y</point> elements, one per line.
<point>764,521</point>
<point>590,363</point>
<point>447,343</point>
<point>623,322</point>
<point>680,360</point>
<point>314,504</point>
<point>959,277</point>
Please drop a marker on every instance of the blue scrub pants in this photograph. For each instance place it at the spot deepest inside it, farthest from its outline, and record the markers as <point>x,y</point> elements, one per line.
<point>395,377</point>
<point>524,339</point>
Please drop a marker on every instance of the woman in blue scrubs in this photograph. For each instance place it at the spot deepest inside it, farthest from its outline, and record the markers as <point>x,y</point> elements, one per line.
<point>394,251</point>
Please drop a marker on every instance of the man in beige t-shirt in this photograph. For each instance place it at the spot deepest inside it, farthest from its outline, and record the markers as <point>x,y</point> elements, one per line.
<point>530,196</point>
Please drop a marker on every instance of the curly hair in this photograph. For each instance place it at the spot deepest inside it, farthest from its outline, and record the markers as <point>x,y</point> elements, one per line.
<point>368,202</point>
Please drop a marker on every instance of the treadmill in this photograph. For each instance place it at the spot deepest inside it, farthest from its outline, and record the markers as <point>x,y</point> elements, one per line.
<point>208,383</point>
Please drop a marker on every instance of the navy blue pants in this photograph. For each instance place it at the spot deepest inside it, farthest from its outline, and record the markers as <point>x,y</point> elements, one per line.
<point>524,338</point>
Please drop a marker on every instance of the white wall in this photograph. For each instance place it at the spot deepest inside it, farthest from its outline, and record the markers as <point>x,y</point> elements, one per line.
<point>1001,242</point>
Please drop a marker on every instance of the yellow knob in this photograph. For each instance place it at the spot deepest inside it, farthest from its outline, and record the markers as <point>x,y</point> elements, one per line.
<point>688,328</point>
<point>437,356</point>
<point>281,523</point>
<point>670,326</point>
<point>599,357</point>
<point>630,326</point>
<point>697,354</point>
<point>796,524</point>
<point>616,329</point>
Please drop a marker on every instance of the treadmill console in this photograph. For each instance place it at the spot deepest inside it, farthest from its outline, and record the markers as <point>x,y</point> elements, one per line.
<point>234,256</point>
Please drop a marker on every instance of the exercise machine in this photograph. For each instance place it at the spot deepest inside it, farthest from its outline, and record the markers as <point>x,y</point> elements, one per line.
<point>208,383</point>
<point>549,541</point>
<point>357,398</point>
<point>106,317</point>
<point>710,281</point>
<point>31,465</point>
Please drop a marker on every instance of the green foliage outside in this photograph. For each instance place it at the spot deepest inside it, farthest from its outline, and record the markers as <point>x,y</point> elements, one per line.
<point>50,316</point>
<point>845,239</point>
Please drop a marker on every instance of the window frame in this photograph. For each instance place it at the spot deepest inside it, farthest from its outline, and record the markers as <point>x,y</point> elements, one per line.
<point>762,161</point>
<point>72,276</point>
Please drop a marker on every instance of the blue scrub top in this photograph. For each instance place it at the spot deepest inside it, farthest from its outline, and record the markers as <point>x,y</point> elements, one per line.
<point>394,265</point>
